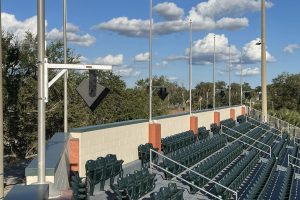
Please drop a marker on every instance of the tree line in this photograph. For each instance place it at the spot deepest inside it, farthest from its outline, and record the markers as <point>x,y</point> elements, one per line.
<point>122,103</point>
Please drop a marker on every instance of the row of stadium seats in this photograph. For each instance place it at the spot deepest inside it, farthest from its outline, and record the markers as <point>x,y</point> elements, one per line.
<point>262,179</point>
<point>78,187</point>
<point>102,169</point>
<point>168,193</point>
<point>174,142</point>
<point>202,133</point>
<point>241,119</point>
<point>228,122</point>
<point>134,186</point>
<point>192,154</point>
<point>237,174</point>
<point>213,165</point>
<point>144,154</point>
<point>286,185</point>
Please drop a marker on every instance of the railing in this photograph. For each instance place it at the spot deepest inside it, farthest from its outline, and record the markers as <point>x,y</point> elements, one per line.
<point>295,140</point>
<point>264,128</point>
<point>188,169</point>
<point>243,135</point>
<point>292,164</point>
<point>276,122</point>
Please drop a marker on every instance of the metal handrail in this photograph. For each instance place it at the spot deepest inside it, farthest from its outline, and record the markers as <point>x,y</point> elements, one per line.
<point>246,136</point>
<point>262,124</point>
<point>268,131</point>
<point>239,138</point>
<point>210,180</point>
<point>294,165</point>
<point>295,140</point>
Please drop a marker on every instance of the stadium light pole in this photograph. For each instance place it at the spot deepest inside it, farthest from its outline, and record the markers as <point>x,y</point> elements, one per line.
<point>229,77</point>
<point>214,82</point>
<point>1,114</point>
<point>263,62</point>
<point>150,64</point>
<point>65,62</point>
<point>190,66</point>
<point>41,95</point>
<point>241,74</point>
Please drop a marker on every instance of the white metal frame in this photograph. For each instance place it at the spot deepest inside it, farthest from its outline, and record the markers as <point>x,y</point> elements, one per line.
<point>295,140</point>
<point>268,131</point>
<point>292,164</point>
<point>243,135</point>
<point>64,69</point>
<point>210,180</point>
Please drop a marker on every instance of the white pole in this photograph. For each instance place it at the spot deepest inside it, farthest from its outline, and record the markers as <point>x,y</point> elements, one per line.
<point>241,78</point>
<point>190,71</point>
<point>65,62</point>
<point>229,74</point>
<point>214,82</point>
<point>41,96</point>
<point>150,65</point>
<point>263,63</point>
<point>1,113</point>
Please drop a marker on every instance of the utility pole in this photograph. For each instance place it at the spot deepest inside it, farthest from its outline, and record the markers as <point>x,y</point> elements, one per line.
<point>263,62</point>
<point>214,82</point>
<point>150,65</point>
<point>65,62</point>
<point>190,68</point>
<point>41,95</point>
<point>229,77</point>
<point>241,81</point>
<point>1,114</point>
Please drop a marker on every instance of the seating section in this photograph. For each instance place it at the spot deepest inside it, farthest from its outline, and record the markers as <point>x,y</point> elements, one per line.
<point>102,169</point>
<point>214,128</point>
<point>213,165</point>
<point>203,133</point>
<point>174,142</point>
<point>144,154</point>
<point>237,174</point>
<point>192,154</point>
<point>228,123</point>
<point>168,193</point>
<point>134,186</point>
<point>78,188</point>
<point>241,119</point>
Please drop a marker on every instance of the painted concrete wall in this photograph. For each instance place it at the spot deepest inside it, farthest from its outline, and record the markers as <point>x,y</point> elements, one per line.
<point>123,140</point>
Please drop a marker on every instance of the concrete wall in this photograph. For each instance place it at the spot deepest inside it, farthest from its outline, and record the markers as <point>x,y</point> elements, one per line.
<point>123,138</point>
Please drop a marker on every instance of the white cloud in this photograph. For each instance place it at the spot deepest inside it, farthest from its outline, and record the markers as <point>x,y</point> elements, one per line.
<point>81,40</point>
<point>252,53</point>
<point>124,26</point>
<point>176,58</point>
<point>142,57</point>
<point>169,11</point>
<point>110,60</point>
<point>125,71</point>
<point>249,71</point>
<point>220,8</point>
<point>83,60</point>
<point>203,50</point>
<point>72,28</point>
<point>210,15</point>
<point>19,28</point>
<point>290,48</point>
<point>172,78</point>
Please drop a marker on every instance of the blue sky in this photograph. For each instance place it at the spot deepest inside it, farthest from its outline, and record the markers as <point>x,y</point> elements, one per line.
<point>116,32</point>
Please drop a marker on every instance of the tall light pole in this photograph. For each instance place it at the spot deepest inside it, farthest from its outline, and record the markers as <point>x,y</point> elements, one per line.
<point>241,81</point>
<point>41,95</point>
<point>150,65</point>
<point>190,68</point>
<point>229,78</point>
<point>263,62</point>
<point>214,82</point>
<point>1,114</point>
<point>65,62</point>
